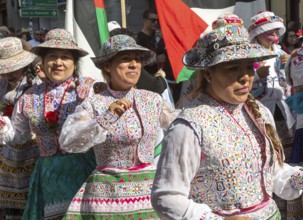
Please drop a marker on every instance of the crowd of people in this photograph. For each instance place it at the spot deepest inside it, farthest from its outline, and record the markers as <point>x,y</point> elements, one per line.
<point>74,148</point>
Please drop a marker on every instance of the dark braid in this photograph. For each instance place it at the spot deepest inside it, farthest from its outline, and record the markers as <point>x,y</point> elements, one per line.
<point>30,74</point>
<point>269,129</point>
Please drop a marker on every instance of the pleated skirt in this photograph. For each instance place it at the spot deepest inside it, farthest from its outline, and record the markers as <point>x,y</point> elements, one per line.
<point>54,182</point>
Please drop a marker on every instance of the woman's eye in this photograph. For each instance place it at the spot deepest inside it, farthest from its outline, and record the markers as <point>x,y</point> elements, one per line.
<point>232,68</point>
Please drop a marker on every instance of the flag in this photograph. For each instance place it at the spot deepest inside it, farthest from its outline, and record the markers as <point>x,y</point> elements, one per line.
<point>102,20</point>
<point>182,22</point>
<point>81,21</point>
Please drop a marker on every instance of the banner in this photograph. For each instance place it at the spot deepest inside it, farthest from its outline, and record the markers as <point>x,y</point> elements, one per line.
<point>81,21</point>
<point>182,22</point>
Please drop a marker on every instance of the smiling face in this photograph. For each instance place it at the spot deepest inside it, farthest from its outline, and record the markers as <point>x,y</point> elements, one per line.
<point>231,82</point>
<point>58,65</point>
<point>124,70</point>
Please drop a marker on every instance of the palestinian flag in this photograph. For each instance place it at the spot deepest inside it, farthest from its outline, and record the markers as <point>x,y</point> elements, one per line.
<point>102,20</point>
<point>86,31</point>
<point>182,22</point>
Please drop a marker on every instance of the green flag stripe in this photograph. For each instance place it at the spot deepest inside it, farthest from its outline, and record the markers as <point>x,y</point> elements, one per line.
<point>102,24</point>
<point>158,150</point>
<point>185,74</point>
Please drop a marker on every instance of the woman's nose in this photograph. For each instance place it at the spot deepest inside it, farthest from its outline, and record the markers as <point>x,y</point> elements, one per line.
<point>133,62</point>
<point>244,77</point>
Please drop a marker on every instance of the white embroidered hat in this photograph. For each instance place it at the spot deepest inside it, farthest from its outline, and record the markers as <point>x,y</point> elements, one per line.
<point>265,21</point>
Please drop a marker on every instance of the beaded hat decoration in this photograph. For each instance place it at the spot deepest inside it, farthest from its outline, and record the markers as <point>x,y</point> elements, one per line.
<point>119,43</point>
<point>265,21</point>
<point>59,39</point>
<point>12,55</point>
<point>228,41</point>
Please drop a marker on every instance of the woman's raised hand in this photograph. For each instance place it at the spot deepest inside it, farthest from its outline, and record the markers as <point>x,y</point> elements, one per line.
<point>119,107</point>
<point>263,71</point>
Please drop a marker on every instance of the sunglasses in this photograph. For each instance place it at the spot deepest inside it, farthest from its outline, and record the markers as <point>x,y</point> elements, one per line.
<point>153,20</point>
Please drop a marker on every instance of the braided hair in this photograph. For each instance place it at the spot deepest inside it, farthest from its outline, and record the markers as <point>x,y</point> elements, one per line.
<point>269,129</point>
<point>30,74</point>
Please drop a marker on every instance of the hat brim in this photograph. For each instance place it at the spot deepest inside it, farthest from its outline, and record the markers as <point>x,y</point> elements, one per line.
<point>146,56</point>
<point>16,62</point>
<point>267,27</point>
<point>58,44</point>
<point>201,59</point>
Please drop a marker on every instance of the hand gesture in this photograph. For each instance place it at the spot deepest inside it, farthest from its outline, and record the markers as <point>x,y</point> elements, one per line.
<point>263,71</point>
<point>284,58</point>
<point>119,107</point>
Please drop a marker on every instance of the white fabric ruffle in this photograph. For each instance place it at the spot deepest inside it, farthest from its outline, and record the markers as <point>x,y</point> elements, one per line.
<point>80,132</point>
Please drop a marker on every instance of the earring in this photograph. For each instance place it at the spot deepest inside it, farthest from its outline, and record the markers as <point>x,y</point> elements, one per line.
<point>208,79</point>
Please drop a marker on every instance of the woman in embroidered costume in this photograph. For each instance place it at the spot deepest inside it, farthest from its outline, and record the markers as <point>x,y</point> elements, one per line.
<point>221,158</point>
<point>271,89</point>
<point>42,109</point>
<point>270,85</point>
<point>122,123</point>
<point>17,160</point>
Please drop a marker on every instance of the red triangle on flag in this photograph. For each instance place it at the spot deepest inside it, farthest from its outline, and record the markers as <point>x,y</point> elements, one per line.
<point>181,28</point>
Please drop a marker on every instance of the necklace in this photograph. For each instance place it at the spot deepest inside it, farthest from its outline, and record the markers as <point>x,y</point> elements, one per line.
<point>52,117</point>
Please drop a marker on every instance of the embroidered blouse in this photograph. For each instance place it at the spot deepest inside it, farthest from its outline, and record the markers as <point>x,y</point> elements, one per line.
<point>29,113</point>
<point>123,142</point>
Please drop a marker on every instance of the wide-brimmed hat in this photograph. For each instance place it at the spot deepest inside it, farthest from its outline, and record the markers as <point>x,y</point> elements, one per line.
<point>59,39</point>
<point>228,41</point>
<point>4,29</point>
<point>119,43</point>
<point>12,55</point>
<point>265,21</point>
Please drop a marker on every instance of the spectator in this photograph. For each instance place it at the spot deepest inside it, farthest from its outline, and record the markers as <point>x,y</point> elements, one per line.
<point>36,40</point>
<point>150,37</point>
<point>289,41</point>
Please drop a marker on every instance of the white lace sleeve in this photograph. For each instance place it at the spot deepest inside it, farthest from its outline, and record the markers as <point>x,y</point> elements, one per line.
<point>168,115</point>
<point>287,181</point>
<point>17,130</point>
<point>80,132</point>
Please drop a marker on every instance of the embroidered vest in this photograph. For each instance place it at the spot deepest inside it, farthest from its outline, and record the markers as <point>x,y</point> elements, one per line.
<point>32,106</point>
<point>131,138</point>
<point>232,175</point>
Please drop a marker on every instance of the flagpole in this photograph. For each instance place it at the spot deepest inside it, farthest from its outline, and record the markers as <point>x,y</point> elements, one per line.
<point>123,13</point>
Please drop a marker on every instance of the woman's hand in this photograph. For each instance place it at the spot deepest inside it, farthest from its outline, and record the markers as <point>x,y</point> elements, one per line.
<point>2,122</point>
<point>160,73</point>
<point>237,218</point>
<point>119,107</point>
<point>284,58</point>
<point>263,71</point>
